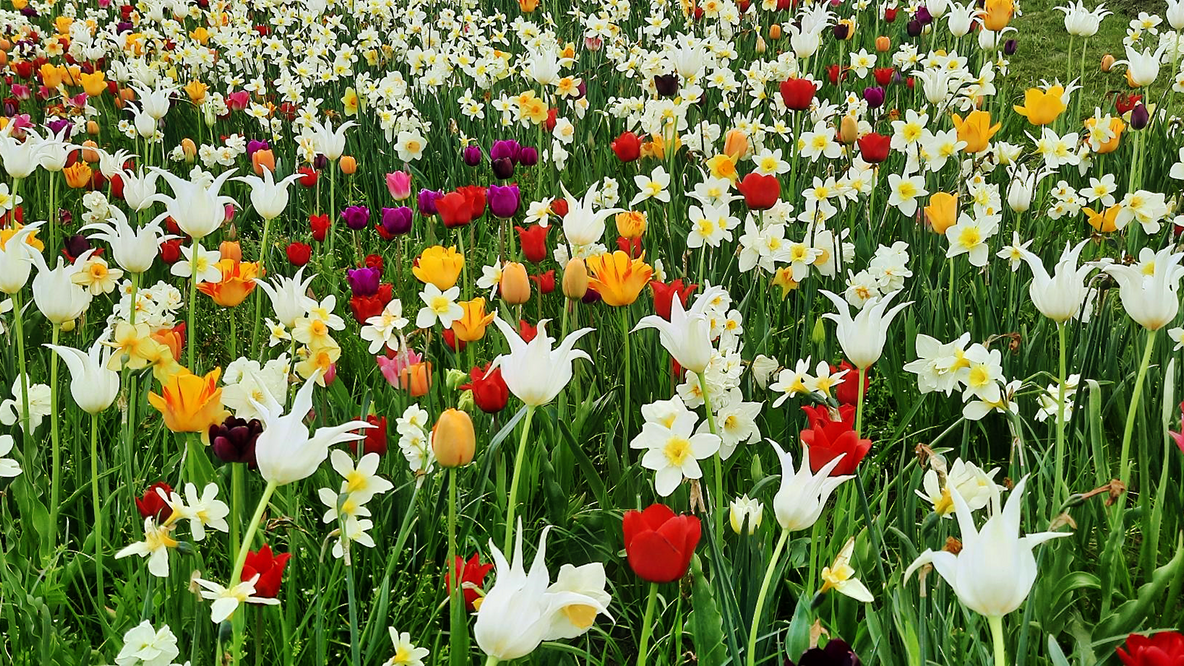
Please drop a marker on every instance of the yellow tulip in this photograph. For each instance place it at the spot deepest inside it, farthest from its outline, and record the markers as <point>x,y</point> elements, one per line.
<point>630,224</point>
<point>997,14</point>
<point>1103,222</point>
<point>618,278</point>
<point>471,326</point>
<point>196,91</point>
<point>942,212</point>
<point>94,84</point>
<point>453,439</point>
<point>976,130</point>
<point>1041,107</point>
<point>439,266</point>
<point>190,403</point>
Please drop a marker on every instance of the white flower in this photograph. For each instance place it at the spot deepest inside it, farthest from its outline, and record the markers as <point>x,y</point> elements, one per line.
<point>862,337</point>
<point>361,481</point>
<point>206,264</point>
<point>905,192</point>
<point>39,398</point>
<point>971,483</point>
<point>653,186</point>
<point>969,236</point>
<point>744,509</point>
<point>145,646</point>
<point>438,306</point>
<point>406,653</point>
<point>840,577</point>
<point>380,329</point>
<point>8,467</point>
<point>201,511</point>
<point>673,451</point>
<point>802,495</point>
<point>227,599</point>
<point>155,546</point>
<point>534,372</point>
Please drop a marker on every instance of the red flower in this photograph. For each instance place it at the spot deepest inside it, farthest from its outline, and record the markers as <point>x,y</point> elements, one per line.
<point>631,247</point>
<point>299,253</point>
<point>828,439</point>
<point>454,210</point>
<point>472,572</point>
<point>847,390</point>
<point>545,281</point>
<point>475,196</point>
<point>627,147</point>
<point>270,569</point>
<point>526,331</point>
<point>1125,103</point>
<point>308,177</point>
<point>451,341</point>
<point>1178,437</point>
<point>559,207</point>
<point>170,250</point>
<point>659,544</point>
<point>873,148</point>
<point>836,73</point>
<point>552,118</point>
<point>760,192</point>
<point>534,242</point>
<point>884,75</point>
<point>320,226</point>
<point>374,261</point>
<point>889,14</point>
<point>664,295</point>
<point>797,93</point>
<point>365,307</point>
<point>1163,649</point>
<point>490,392</point>
<point>152,505</point>
<point>375,441</point>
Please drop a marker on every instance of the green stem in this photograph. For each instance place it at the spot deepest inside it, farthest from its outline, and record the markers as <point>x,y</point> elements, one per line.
<point>18,318</point>
<point>55,479</point>
<point>1062,489</point>
<point>249,535</point>
<point>94,490</point>
<point>625,405</point>
<point>259,295</point>
<point>511,505</point>
<point>1136,395</point>
<point>996,624</point>
<point>647,625</point>
<point>491,661</point>
<point>355,647</point>
<point>719,465</point>
<point>859,405</point>
<point>455,601</point>
<point>236,505</point>
<point>760,599</point>
<point>190,336</point>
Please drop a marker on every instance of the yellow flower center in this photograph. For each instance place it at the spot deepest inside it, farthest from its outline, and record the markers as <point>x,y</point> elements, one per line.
<point>440,305</point>
<point>677,450</point>
<point>580,615</point>
<point>970,237</point>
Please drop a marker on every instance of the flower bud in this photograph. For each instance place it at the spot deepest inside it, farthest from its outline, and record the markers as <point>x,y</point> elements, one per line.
<point>848,130</point>
<point>775,32</point>
<point>883,44</point>
<point>454,378</point>
<point>515,284</point>
<point>189,149</point>
<point>575,279</point>
<point>231,250</point>
<point>90,151</point>
<point>1140,116</point>
<point>1107,62</point>
<point>818,335</point>
<point>92,128</point>
<point>760,44</point>
<point>349,165</point>
<point>466,402</point>
<point>744,511</point>
<point>453,438</point>
<point>630,224</point>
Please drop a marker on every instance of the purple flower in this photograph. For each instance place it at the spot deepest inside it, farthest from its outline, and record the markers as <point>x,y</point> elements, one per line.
<point>507,148</point>
<point>396,221</point>
<point>56,126</point>
<point>472,155</point>
<point>504,201</point>
<point>503,167</point>
<point>923,16</point>
<point>1009,47</point>
<point>529,157</point>
<point>363,281</point>
<point>356,217</point>
<point>253,146</point>
<point>427,201</point>
<point>874,96</point>
<point>75,245</point>
<point>234,439</point>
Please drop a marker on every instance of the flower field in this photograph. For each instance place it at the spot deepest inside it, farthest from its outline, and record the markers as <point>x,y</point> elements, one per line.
<point>744,332</point>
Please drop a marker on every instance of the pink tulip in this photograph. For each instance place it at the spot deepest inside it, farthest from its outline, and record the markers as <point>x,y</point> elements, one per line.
<point>399,184</point>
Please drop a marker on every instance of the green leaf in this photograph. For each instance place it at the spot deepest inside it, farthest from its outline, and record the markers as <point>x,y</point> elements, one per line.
<point>1055,654</point>
<point>1127,617</point>
<point>705,621</point>
<point>797,641</point>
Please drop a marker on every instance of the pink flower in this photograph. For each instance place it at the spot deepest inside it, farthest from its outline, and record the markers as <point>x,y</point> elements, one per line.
<point>238,100</point>
<point>399,184</point>
<point>21,92</point>
<point>1178,437</point>
<point>392,366</point>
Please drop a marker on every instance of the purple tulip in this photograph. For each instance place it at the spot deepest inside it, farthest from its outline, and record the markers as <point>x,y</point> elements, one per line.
<point>1009,47</point>
<point>427,201</point>
<point>507,148</point>
<point>914,28</point>
<point>75,245</point>
<point>396,221</point>
<point>874,96</point>
<point>840,30</point>
<point>233,440</point>
<point>58,125</point>
<point>923,16</point>
<point>529,157</point>
<point>591,296</point>
<point>503,168</point>
<point>356,217</point>
<point>320,162</point>
<point>1139,117</point>
<point>472,155</point>
<point>363,281</point>
<point>253,146</point>
<point>504,201</point>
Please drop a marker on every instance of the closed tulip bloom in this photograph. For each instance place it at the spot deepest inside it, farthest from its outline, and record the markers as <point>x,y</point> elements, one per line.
<point>92,385</point>
<point>471,326</point>
<point>1042,107</point>
<point>659,544</point>
<point>504,201</point>
<point>874,148</point>
<point>1061,296</point>
<point>760,191</point>
<point>490,392</point>
<point>515,284</point>
<point>942,212</point>
<point>997,14</point>
<point>1165,648</point>
<point>453,438</point>
<point>863,337</point>
<point>398,184</point>
<point>618,278</point>
<point>798,94</point>
<point>54,292</point>
<point>286,452</point>
<point>687,335</point>
<point>575,279</point>
<point>190,403</point>
<point>534,372</point>
<point>830,438</point>
<point>1152,300</point>
<point>268,198</point>
<point>802,495</point>
<point>197,209</point>
<point>439,266</point>
<point>976,130</point>
<point>16,259</point>
<point>995,569</point>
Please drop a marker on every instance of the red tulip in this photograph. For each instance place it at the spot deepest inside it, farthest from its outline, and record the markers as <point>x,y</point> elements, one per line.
<point>308,177</point>
<point>475,195</point>
<point>534,242</point>
<point>797,93</point>
<point>664,295</point>
<point>559,207</point>
<point>320,226</point>
<point>374,261</point>
<point>452,342</point>
<point>526,331</point>
<point>299,253</point>
<point>884,75</point>
<point>1163,649</point>
<point>847,390</point>
<point>631,247</point>
<point>490,392</point>
<point>375,441</point>
<point>889,14</point>
<point>828,438</point>
<point>627,147</point>
<point>170,251</point>
<point>472,572</point>
<point>545,281</point>
<point>1126,103</point>
<point>270,569</point>
<point>760,192</point>
<point>873,148</point>
<point>552,118</point>
<point>365,307</point>
<point>836,73</point>
<point>1178,437</point>
<point>152,505</point>
<point>454,210</point>
<point>659,544</point>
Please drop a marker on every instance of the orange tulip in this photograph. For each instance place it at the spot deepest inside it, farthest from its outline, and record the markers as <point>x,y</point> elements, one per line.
<point>238,281</point>
<point>618,278</point>
<point>736,145</point>
<point>997,14</point>
<point>196,91</point>
<point>172,338</point>
<point>263,159</point>
<point>942,212</point>
<point>575,279</point>
<point>514,285</point>
<point>453,439</point>
<point>1116,126</point>
<point>190,403</point>
<point>230,250</point>
<point>78,175</point>
<point>883,44</point>
<point>30,238</point>
<point>631,224</point>
<point>416,378</point>
<point>528,6</point>
<point>471,326</point>
<point>349,165</point>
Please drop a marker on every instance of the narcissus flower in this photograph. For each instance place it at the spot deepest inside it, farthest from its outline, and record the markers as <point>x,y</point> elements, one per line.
<point>660,544</point>
<point>1042,107</point>
<point>190,403</point>
<point>439,266</point>
<point>618,278</point>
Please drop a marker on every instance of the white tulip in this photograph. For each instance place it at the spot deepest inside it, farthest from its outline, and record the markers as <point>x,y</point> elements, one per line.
<point>1059,297</point>
<point>134,250</point>
<point>802,495</point>
<point>268,197</point>
<point>92,385</point>
<point>288,297</point>
<point>198,210</point>
<point>534,372</point>
<point>863,337</point>
<point>56,295</point>
<point>687,336</point>
<point>1151,300</point>
<point>583,225</point>
<point>16,260</point>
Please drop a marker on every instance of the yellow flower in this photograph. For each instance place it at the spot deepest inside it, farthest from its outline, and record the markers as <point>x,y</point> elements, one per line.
<point>997,14</point>
<point>471,326</point>
<point>196,91</point>
<point>942,212</point>
<point>133,342</point>
<point>784,278</point>
<point>94,83</point>
<point>723,166</point>
<point>532,108</point>
<point>321,358</point>
<point>78,175</point>
<point>439,266</point>
<point>238,281</point>
<point>30,239</point>
<point>618,278</point>
<point>190,403</point>
<point>351,102</point>
<point>1103,222</point>
<point>200,35</point>
<point>51,75</point>
<point>631,224</point>
<point>976,130</point>
<point>1041,107</point>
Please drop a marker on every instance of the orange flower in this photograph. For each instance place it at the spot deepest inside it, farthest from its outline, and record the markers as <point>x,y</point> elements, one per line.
<point>942,211</point>
<point>1116,127</point>
<point>618,278</point>
<point>30,240</point>
<point>736,145</point>
<point>416,379</point>
<point>238,281</point>
<point>631,224</point>
<point>190,403</point>
<point>173,338</point>
<point>94,83</point>
<point>1103,222</point>
<point>471,326</point>
<point>263,159</point>
<point>78,175</point>
<point>976,130</point>
<point>196,91</point>
<point>997,14</point>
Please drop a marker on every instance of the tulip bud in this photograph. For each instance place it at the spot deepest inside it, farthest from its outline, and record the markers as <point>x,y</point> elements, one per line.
<point>92,128</point>
<point>453,438</point>
<point>883,44</point>
<point>515,284</point>
<point>736,144</point>
<point>818,335</point>
<point>89,152</point>
<point>744,511</point>
<point>466,403</point>
<point>760,44</point>
<point>330,375</point>
<point>848,130</point>
<point>454,378</point>
<point>1107,62</point>
<point>1140,116</point>
<point>189,149</point>
<point>349,165</point>
<point>775,32</point>
<point>231,250</point>
<point>262,159</point>
<point>575,279</point>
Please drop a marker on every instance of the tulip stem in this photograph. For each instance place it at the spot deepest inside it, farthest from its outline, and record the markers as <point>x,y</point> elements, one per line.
<point>491,661</point>
<point>236,505</point>
<point>1136,395</point>
<point>98,507</point>
<point>455,609</point>
<point>625,405</point>
<point>18,317</point>
<point>189,332</point>
<point>1059,453</point>
<point>996,624</point>
<point>760,599</point>
<point>719,465</point>
<point>249,535</point>
<point>859,405</point>
<point>55,479</point>
<point>259,296</point>
<point>511,505</point>
<point>647,625</point>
